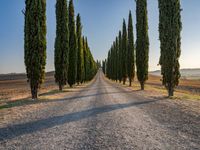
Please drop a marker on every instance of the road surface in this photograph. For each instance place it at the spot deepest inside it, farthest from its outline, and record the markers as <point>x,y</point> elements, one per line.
<point>104,115</point>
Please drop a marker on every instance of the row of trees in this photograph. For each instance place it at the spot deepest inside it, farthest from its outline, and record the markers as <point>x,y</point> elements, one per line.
<point>124,55</point>
<point>120,63</point>
<point>74,62</point>
<point>121,60</point>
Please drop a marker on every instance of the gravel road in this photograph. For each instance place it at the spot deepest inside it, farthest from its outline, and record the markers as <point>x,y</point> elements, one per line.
<point>101,116</point>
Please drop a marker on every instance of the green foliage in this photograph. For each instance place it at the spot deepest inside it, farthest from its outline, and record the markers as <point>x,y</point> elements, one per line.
<point>116,60</point>
<point>170,27</point>
<point>108,65</point>
<point>142,42</point>
<point>116,63</point>
<point>104,66</point>
<point>120,57</point>
<point>80,60</point>
<point>72,54</point>
<point>72,72</point>
<point>98,64</point>
<point>124,52</point>
<point>113,63</point>
<point>35,43</point>
<point>90,65</point>
<point>131,51</point>
<point>86,59</point>
<point>61,44</point>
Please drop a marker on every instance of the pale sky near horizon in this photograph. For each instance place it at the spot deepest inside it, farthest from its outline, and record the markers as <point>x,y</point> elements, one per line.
<point>102,20</point>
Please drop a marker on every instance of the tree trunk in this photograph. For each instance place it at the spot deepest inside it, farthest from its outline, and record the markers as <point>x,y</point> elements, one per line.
<point>60,87</point>
<point>142,85</point>
<point>170,91</point>
<point>130,82</point>
<point>124,81</point>
<point>34,92</point>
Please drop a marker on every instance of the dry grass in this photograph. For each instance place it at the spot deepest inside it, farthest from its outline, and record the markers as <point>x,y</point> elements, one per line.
<point>187,89</point>
<point>16,92</point>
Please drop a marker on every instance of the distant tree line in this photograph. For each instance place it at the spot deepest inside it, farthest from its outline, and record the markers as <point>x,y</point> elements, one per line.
<point>73,60</point>
<point>125,59</point>
<point>121,61</point>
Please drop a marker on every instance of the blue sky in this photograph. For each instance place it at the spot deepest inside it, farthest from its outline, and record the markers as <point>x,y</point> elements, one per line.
<point>102,19</point>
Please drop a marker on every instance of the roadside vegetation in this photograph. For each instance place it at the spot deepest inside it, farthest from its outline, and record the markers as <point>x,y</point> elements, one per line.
<point>74,62</point>
<point>123,50</point>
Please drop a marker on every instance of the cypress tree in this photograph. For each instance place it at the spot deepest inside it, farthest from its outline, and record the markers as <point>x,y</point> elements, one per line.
<point>142,42</point>
<point>84,57</point>
<point>104,66</point>
<point>116,58</point>
<point>131,51</point>
<point>35,43</point>
<point>120,57</point>
<point>72,73</point>
<point>109,65</point>
<point>87,55</point>
<point>87,60</point>
<point>124,52</point>
<point>98,64</point>
<point>92,65</point>
<point>170,27</point>
<point>112,63</point>
<point>80,61</point>
<point>61,44</point>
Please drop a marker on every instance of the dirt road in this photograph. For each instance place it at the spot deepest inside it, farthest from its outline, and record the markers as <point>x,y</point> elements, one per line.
<point>102,116</point>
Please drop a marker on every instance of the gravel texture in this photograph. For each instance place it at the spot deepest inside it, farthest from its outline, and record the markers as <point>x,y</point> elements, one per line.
<point>101,116</point>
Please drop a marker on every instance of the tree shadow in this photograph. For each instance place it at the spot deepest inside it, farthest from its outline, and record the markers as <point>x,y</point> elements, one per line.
<point>81,96</point>
<point>14,131</point>
<point>28,101</point>
<point>21,102</point>
<point>53,92</point>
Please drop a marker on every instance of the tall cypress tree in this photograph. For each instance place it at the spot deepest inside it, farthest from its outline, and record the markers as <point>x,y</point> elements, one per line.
<point>35,43</point>
<point>112,62</point>
<point>120,56</point>
<point>131,51</point>
<point>116,58</point>
<point>104,66</point>
<point>84,57</point>
<point>72,73</point>
<point>170,27</point>
<point>108,68</point>
<point>80,60</point>
<point>87,55</point>
<point>124,52</point>
<point>61,43</point>
<point>142,42</point>
<point>92,66</point>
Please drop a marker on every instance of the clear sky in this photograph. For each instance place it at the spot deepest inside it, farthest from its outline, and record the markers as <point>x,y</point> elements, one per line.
<point>102,19</point>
